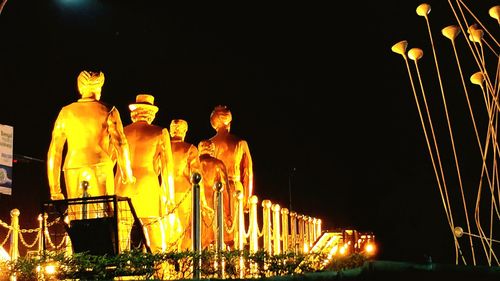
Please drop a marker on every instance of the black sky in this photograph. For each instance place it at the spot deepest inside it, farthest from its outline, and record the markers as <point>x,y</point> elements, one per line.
<point>311,87</point>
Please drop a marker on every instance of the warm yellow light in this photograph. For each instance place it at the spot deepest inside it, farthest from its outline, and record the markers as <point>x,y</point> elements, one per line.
<point>3,254</point>
<point>50,269</point>
<point>343,250</point>
<point>333,251</point>
<point>370,248</point>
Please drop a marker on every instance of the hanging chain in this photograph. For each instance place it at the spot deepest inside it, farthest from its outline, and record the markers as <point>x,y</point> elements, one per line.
<point>260,232</point>
<point>231,229</point>
<point>170,211</point>
<point>6,237</point>
<point>65,238</point>
<point>21,237</point>
<point>60,243</point>
<point>2,223</point>
<point>53,222</point>
<point>29,230</point>
<point>48,239</point>
<point>180,202</point>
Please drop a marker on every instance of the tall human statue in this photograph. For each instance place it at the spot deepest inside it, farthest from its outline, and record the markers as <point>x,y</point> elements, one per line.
<point>186,162</point>
<point>92,131</point>
<point>235,154</point>
<point>152,165</point>
<point>212,171</point>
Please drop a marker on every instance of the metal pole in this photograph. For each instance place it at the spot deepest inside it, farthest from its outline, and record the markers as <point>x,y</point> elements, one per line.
<point>45,230</point>
<point>220,228</point>
<point>276,229</point>
<point>253,229</point>
<point>116,245</point>
<point>220,217</point>
<point>266,228</point>
<point>253,225</point>
<point>40,234</point>
<point>14,238</point>
<point>240,236</point>
<point>301,238</point>
<point>240,242</point>
<point>284,229</point>
<point>293,231</point>
<point>85,186</point>
<point>318,227</point>
<point>311,232</point>
<point>196,223</point>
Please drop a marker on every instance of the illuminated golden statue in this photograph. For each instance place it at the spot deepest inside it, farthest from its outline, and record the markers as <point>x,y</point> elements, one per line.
<point>93,131</point>
<point>151,158</point>
<point>213,170</point>
<point>186,162</point>
<point>235,154</point>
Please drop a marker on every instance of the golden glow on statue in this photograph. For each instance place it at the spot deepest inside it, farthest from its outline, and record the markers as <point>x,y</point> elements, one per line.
<point>186,162</point>
<point>155,169</point>
<point>213,171</point>
<point>92,131</point>
<point>151,158</point>
<point>235,154</point>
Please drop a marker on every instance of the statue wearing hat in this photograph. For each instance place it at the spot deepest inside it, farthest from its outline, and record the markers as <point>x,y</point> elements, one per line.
<point>152,165</point>
<point>235,154</point>
<point>92,131</point>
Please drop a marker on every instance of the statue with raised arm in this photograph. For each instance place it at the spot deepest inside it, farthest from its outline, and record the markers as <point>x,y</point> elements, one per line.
<point>152,166</point>
<point>235,154</point>
<point>92,131</point>
<point>213,171</point>
<point>186,162</point>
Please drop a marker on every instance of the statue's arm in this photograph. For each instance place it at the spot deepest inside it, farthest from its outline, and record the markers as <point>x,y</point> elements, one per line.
<point>54,158</point>
<point>193,161</point>
<point>225,184</point>
<point>167,170</point>
<point>120,144</point>
<point>205,207</point>
<point>246,171</point>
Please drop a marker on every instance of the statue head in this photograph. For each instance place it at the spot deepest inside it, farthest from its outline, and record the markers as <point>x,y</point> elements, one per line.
<point>90,84</point>
<point>143,109</point>
<point>178,129</point>
<point>206,147</point>
<point>221,117</point>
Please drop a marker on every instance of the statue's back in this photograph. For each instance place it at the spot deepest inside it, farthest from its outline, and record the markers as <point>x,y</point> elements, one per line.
<point>86,130</point>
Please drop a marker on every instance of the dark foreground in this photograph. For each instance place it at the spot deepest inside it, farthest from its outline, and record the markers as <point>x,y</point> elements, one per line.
<point>390,270</point>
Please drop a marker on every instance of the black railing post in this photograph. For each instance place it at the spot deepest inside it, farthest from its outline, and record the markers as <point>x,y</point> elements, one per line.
<point>196,223</point>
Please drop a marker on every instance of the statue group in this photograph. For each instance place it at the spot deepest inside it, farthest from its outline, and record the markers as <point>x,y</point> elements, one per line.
<point>151,165</point>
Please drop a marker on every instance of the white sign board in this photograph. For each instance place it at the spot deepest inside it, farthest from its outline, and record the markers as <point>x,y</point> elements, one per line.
<point>6,151</point>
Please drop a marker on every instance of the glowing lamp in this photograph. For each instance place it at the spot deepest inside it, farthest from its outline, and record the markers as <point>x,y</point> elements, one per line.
<point>476,35</point>
<point>370,249</point>
<point>415,54</point>
<point>423,9</point>
<point>343,250</point>
<point>477,78</point>
<point>495,12</point>
<point>50,269</point>
<point>400,48</point>
<point>451,32</point>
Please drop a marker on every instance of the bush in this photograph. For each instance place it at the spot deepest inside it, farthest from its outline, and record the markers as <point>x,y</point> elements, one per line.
<point>172,265</point>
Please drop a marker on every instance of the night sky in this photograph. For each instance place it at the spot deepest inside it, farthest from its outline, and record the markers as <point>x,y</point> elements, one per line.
<point>316,91</point>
